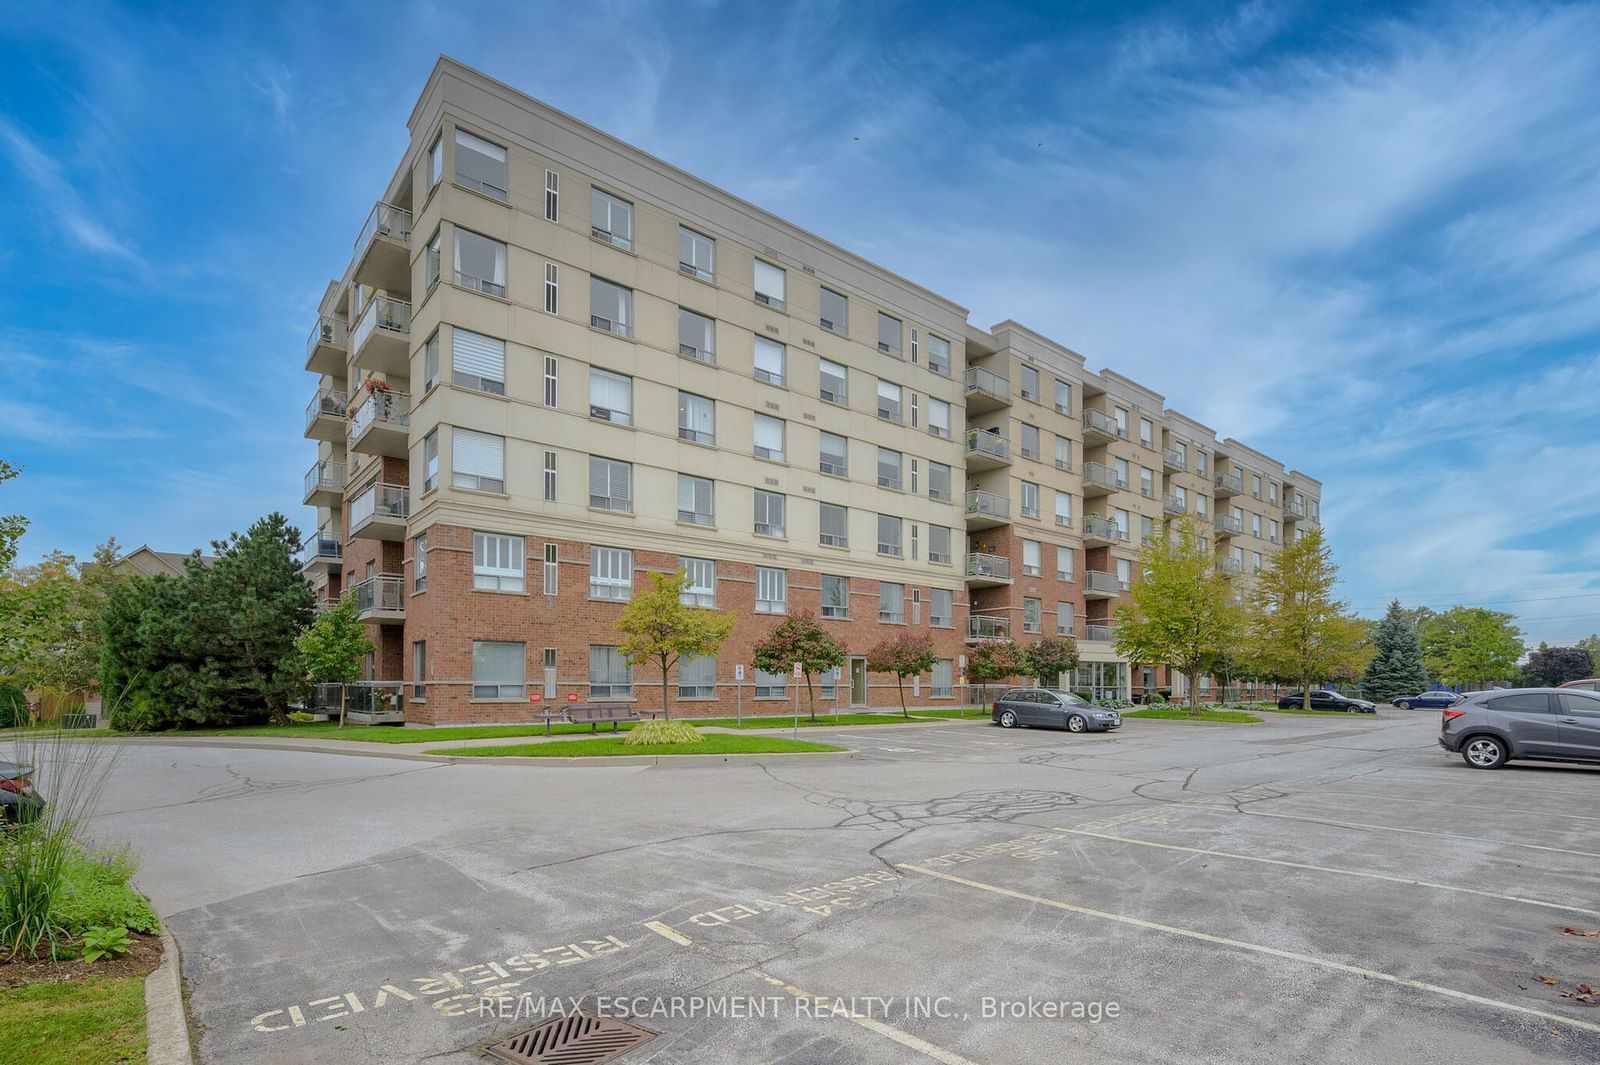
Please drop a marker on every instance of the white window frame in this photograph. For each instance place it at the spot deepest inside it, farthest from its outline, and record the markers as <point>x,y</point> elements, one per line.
<point>614,470</point>
<point>491,475</point>
<point>765,504</point>
<point>610,573</point>
<point>772,590</point>
<point>770,361</point>
<point>610,396</point>
<point>502,691</point>
<point>697,487</point>
<point>499,562</point>
<point>701,587</point>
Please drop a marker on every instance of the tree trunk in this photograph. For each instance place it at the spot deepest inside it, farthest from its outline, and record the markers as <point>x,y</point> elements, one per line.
<point>1194,691</point>
<point>900,685</point>
<point>1305,695</point>
<point>811,697</point>
<point>666,704</point>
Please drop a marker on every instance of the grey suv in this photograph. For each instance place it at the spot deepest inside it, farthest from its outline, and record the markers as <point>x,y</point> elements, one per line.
<point>1553,724</point>
<point>1052,708</point>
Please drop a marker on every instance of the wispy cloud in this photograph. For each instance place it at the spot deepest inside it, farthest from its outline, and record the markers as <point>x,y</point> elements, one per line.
<point>60,200</point>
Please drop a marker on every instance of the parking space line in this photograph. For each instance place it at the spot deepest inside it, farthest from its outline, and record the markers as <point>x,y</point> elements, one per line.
<point>1389,774</point>
<point>1257,948</point>
<point>1435,802</point>
<point>1330,869</point>
<point>661,928</point>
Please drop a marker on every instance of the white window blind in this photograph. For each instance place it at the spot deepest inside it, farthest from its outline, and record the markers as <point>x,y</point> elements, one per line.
<point>610,484</point>
<point>479,460</point>
<point>478,361</point>
<point>770,285</point>
<point>769,437</point>
<point>610,396</point>
<point>497,670</point>
<point>769,357</point>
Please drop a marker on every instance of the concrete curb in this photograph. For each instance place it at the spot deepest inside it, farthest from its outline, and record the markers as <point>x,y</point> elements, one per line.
<point>166,1023</point>
<point>661,760</point>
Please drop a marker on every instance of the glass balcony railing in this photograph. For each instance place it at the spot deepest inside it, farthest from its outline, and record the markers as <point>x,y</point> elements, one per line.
<point>983,442</point>
<point>988,627</point>
<point>385,220</point>
<point>383,407</point>
<point>1174,459</point>
<point>988,383</point>
<point>329,331</point>
<point>391,501</point>
<point>385,592</point>
<point>1174,505</point>
<point>325,476</point>
<point>1230,484</point>
<point>1100,528</point>
<point>1101,422</point>
<point>1099,633</point>
<point>324,546</point>
<point>327,401</point>
<point>1098,473</point>
<point>984,565</point>
<point>1229,525</point>
<point>988,504</point>
<point>1100,581</point>
<point>383,314</point>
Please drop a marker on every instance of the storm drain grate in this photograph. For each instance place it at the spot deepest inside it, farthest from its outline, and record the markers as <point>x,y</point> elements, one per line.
<point>575,1039</point>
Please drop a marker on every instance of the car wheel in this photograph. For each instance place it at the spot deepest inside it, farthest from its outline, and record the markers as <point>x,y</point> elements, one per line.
<point>1076,723</point>
<point>1401,704</point>
<point>1008,719</point>
<point>1484,752</point>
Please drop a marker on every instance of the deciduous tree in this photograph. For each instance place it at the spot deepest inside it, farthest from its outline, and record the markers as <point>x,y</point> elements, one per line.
<point>334,646</point>
<point>12,526</point>
<point>905,655</point>
<point>800,638</point>
<point>1050,657</point>
<point>1551,667</point>
<point>1471,645</point>
<point>658,627</point>
<point>1396,668</point>
<point>995,660</point>
<point>1297,629</point>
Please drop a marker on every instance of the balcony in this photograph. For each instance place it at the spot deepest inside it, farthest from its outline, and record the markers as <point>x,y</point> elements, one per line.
<point>1098,584</point>
<point>1101,428</point>
<point>1228,525</point>
<point>322,553</point>
<point>380,424</point>
<point>1174,460</point>
<point>985,571</point>
<point>325,415</point>
<point>1229,484</point>
<point>325,484</point>
<point>987,450</point>
<point>982,627</point>
<point>1101,532</point>
<point>1173,505</point>
<point>1293,512</point>
<point>986,390</point>
<point>381,340</point>
<point>1230,565</point>
<point>380,512</point>
<point>1099,633</point>
<point>986,509</point>
<point>325,347</point>
<point>383,250</point>
<point>1100,479</point>
<point>381,599</point>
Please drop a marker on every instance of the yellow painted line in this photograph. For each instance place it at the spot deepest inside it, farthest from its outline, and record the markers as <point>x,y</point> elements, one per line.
<point>1332,869</point>
<point>872,1024</point>
<point>1257,948</point>
<point>665,930</point>
<point>1385,828</point>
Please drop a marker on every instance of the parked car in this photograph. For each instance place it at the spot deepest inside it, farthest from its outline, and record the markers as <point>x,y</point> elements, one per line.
<point>1052,708</point>
<point>1427,701</point>
<point>1590,685</point>
<point>1490,728</point>
<point>1322,699</point>
<point>18,801</point>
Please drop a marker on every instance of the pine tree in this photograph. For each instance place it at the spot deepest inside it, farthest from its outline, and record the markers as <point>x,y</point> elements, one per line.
<point>1397,668</point>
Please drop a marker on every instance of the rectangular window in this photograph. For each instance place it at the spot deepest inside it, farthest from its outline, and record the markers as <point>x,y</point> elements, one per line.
<point>1063,619</point>
<point>833,524</point>
<point>889,542</point>
<point>1200,463</point>
<point>1202,507</point>
<point>1119,418</point>
<point>610,573</point>
<point>697,336</point>
<point>916,534</point>
<point>610,676</point>
<point>436,161</point>
<point>889,464</point>
<point>1063,563</point>
<point>889,401</point>
<point>939,481</point>
<point>769,361</point>
<point>610,484</point>
<point>1063,508</point>
<point>430,461</point>
<point>1147,527</point>
<point>942,684</point>
<point>701,589</point>
<point>769,513</point>
<point>419,563</point>
<point>480,263</point>
<point>552,289</point>
<point>1255,525</point>
<point>770,287</point>
<point>497,562</point>
<point>1125,573</point>
<point>1031,621</point>
<point>552,196</point>
<point>430,267</point>
<point>938,354</point>
<point>552,570</point>
<point>889,335</point>
<point>610,396</point>
<point>833,382</point>
<point>1120,516</point>
<point>1030,558</point>
<point>695,500</point>
<point>479,461</point>
<point>697,254</point>
<point>419,670</point>
<point>477,361</point>
<point>938,417</point>
<point>1121,467</point>
<point>430,363</point>
<point>1147,482</point>
<point>1255,562</point>
<point>771,685</point>
<point>497,670</point>
<point>1030,383</point>
<point>1147,432</point>
<point>611,219</point>
<point>610,307</point>
<point>1272,527</point>
<point>915,349</point>
<point>697,677</point>
<point>835,596</point>
<point>941,609</point>
<point>1030,499</point>
<point>939,544</point>
<point>481,165</point>
<point>1030,442</point>
<point>550,381</point>
<point>1063,397</point>
<point>697,418</point>
<point>891,603</point>
<point>835,311</point>
<point>834,455</point>
<point>1063,453</point>
<point>772,590</point>
<point>769,432</point>
<point>914,410</point>
<point>549,476</point>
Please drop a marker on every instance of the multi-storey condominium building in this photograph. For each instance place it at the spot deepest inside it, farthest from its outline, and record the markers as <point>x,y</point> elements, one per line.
<point>555,364</point>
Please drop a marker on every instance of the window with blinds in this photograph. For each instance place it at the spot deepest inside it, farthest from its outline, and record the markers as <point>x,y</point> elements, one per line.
<point>697,677</point>
<point>610,396</point>
<point>498,562</point>
<point>769,437</point>
<point>610,573</point>
<point>477,361</point>
<point>769,361</point>
<point>696,419</point>
<point>769,513</point>
<point>610,676</point>
<point>889,469</point>
<point>771,685</point>
<point>498,669</point>
<point>770,288</point>
<point>834,455</point>
<point>833,382</point>
<point>481,165</point>
<point>833,525</point>
<point>939,484</point>
<point>889,401</point>
<point>772,590</point>
<point>610,484</point>
<point>938,354</point>
<point>891,603</point>
<point>889,535</point>
<point>701,587</point>
<point>695,496</point>
<point>478,461</point>
<point>941,609</point>
<point>939,544</point>
<point>938,418</point>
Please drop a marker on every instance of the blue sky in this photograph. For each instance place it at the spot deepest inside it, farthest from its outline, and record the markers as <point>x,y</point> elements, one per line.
<point>1364,238</point>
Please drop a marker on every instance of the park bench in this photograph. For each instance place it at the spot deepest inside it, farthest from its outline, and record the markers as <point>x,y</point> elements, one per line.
<point>595,714</point>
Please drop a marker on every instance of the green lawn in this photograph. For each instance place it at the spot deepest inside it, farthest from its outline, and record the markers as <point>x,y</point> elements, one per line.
<point>963,712</point>
<point>95,1020</point>
<point>1178,713</point>
<point>713,743</point>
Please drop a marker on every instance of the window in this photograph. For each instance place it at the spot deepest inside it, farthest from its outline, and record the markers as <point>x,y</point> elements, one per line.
<point>479,461</point>
<point>833,382</point>
<point>477,361</point>
<point>552,570</point>
<point>1120,466</point>
<point>697,677</point>
<point>430,363</point>
<point>697,336</point>
<point>1063,453</point>
<point>1147,481</point>
<point>1030,383</point>
<point>891,603</point>
<point>915,530</point>
<point>942,685</point>
<point>480,165</point>
<point>938,417</point>
<point>835,597</point>
<point>1255,485</point>
<point>552,196</point>
<point>497,563</point>
<point>1147,432</point>
<point>1272,529</point>
<point>939,544</point>
<point>772,590</point>
<point>419,563</point>
<point>1119,418</point>
<point>1255,562</point>
<point>941,609</point>
<point>1063,397</point>
<point>1063,563</point>
<point>938,354</point>
<point>914,488</point>
<point>835,311</point>
<point>1120,516</point>
<point>889,335</point>
<point>769,361</point>
<point>889,535</point>
<point>834,455</point>
<point>1255,525</point>
<point>701,589</point>
<point>1030,499</point>
<point>431,261</point>
<point>833,524</point>
<point>1272,491</point>
<point>549,476</point>
<point>913,410</point>
<point>1180,495</point>
<point>610,397</point>
<point>1063,619</point>
<point>889,464</point>
<point>1063,508</point>
<point>770,288</point>
<point>550,381</point>
<point>436,161</point>
<point>1200,463</point>
<point>1125,573</point>
<point>769,513</point>
<point>610,219</point>
<point>695,500</point>
<point>610,573</point>
<point>939,481</point>
<point>697,254</point>
<point>769,437</point>
<point>889,401</point>
<point>1031,621</point>
<point>430,461</point>
<point>1030,558</point>
<point>419,670</point>
<point>1147,527</point>
<point>480,263</point>
<point>1030,441</point>
<point>497,670</point>
<point>771,685</point>
<point>610,676</point>
<point>1202,507</point>
<point>610,484</point>
<point>697,418</point>
<point>610,307</point>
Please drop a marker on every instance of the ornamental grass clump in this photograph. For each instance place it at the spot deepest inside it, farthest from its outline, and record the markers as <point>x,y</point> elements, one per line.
<point>653,732</point>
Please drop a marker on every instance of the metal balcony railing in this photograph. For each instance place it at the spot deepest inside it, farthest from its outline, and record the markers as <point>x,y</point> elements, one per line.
<point>1095,580</point>
<point>384,313</point>
<point>380,501</point>
<point>325,475</point>
<point>988,627</point>
<point>1099,633</point>
<point>327,401</point>
<point>1102,422</point>
<point>988,504</point>
<point>386,220</point>
<point>1173,505</point>
<point>324,545</point>
<point>1102,528</point>
<point>1230,483</point>
<point>1230,565</point>
<point>381,407</point>
<point>1100,474</point>
<point>384,592</point>
<point>1229,525</point>
<point>1174,459</point>
<point>985,565</point>
<point>984,442</point>
<point>988,383</point>
<point>330,331</point>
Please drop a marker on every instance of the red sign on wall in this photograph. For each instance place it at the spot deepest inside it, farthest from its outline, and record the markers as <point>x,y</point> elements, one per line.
<point>534,697</point>
<point>572,697</point>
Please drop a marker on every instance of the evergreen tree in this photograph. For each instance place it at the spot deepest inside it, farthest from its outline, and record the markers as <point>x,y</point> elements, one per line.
<point>1396,669</point>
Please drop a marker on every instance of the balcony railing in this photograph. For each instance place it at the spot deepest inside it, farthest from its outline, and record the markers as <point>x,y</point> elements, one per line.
<point>380,501</point>
<point>325,476</point>
<point>1098,473</point>
<point>386,220</point>
<point>1095,580</point>
<point>984,565</point>
<point>1229,525</point>
<point>385,592</point>
<point>381,408</point>
<point>1230,565</point>
<point>390,315</point>
<point>1099,633</point>
<point>984,442</point>
<point>988,504</point>
<point>988,383</point>
<point>1174,459</point>
<point>323,546</point>
<point>1173,505</point>
<point>330,331</point>
<point>1230,484</point>
<point>1101,422</point>
<point>327,401</point>
<point>988,627</point>
<point>1294,510</point>
<point>1102,528</point>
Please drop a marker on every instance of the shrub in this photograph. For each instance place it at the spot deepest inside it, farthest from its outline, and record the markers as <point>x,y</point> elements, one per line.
<point>13,706</point>
<point>1154,699</point>
<point>99,893</point>
<point>663,732</point>
<point>105,943</point>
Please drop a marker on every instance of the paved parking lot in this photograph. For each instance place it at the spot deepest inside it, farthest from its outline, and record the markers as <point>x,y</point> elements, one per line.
<point>1309,889</point>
